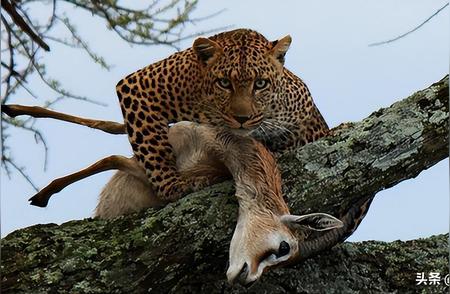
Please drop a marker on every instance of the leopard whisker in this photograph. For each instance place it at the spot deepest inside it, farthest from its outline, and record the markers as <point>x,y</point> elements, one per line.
<point>279,129</point>
<point>260,131</point>
<point>265,135</point>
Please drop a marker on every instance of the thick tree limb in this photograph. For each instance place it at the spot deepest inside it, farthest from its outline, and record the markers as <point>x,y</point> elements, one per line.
<point>184,247</point>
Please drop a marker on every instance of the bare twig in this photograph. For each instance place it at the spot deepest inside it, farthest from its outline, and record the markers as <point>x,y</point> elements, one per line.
<point>7,160</point>
<point>18,20</point>
<point>411,31</point>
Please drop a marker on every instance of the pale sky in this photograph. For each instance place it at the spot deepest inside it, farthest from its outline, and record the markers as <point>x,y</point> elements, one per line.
<point>329,51</point>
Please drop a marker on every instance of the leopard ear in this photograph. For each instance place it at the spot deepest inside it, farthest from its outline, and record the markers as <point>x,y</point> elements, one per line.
<point>206,50</point>
<point>280,47</point>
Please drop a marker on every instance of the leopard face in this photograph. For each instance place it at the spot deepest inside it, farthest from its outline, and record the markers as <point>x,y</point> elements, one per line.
<point>241,78</point>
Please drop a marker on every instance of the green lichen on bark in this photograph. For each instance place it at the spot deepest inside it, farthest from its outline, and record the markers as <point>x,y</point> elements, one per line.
<point>366,267</point>
<point>183,247</point>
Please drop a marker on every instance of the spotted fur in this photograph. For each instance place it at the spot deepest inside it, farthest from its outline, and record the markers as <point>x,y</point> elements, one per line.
<point>235,80</point>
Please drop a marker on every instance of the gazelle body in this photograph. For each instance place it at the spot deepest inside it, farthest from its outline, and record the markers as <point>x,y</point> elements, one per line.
<point>266,233</point>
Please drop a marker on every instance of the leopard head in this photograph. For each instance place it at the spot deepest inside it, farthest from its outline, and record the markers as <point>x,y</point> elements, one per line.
<point>241,72</point>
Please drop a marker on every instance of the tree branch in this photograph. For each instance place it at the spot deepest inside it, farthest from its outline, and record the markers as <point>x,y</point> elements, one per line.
<point>410,31</point>
<point>17,19</point>
<point>184,246</point>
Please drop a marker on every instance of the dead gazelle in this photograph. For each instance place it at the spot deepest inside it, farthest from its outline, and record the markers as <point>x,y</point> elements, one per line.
<point>266,233</point>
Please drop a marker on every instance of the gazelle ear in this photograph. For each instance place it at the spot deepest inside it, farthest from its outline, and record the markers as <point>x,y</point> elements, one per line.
<point>280,47</point>
<point>314,221</point>
<point>206,50</point>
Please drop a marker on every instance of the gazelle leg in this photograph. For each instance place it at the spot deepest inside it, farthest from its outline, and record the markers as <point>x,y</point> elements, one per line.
<point>111,127</point>
<point>122,163</point>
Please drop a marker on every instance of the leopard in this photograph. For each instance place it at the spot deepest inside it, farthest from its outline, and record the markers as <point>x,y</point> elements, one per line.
<point>235,80</point>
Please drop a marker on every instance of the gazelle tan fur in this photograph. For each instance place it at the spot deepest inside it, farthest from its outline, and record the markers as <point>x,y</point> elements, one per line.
<point>123,194</point>
<point>266,234</point>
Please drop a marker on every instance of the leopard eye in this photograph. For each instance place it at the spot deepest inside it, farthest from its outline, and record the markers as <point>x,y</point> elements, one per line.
<point>224,83</point>
<point>261,84</point>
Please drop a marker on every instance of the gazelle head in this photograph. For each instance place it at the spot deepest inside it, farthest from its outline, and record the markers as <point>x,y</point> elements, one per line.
<point>263,239</point>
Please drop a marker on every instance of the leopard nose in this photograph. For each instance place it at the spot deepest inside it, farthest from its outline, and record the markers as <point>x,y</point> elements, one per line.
<point>241,119</point>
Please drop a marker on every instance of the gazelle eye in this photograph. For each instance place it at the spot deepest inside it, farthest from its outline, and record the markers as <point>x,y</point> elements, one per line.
<point>224,83</point>
<point>283,249</point>
<point>261,84</point>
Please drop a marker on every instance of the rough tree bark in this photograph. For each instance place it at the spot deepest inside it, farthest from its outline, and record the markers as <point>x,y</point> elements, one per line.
<point>183,247</point>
